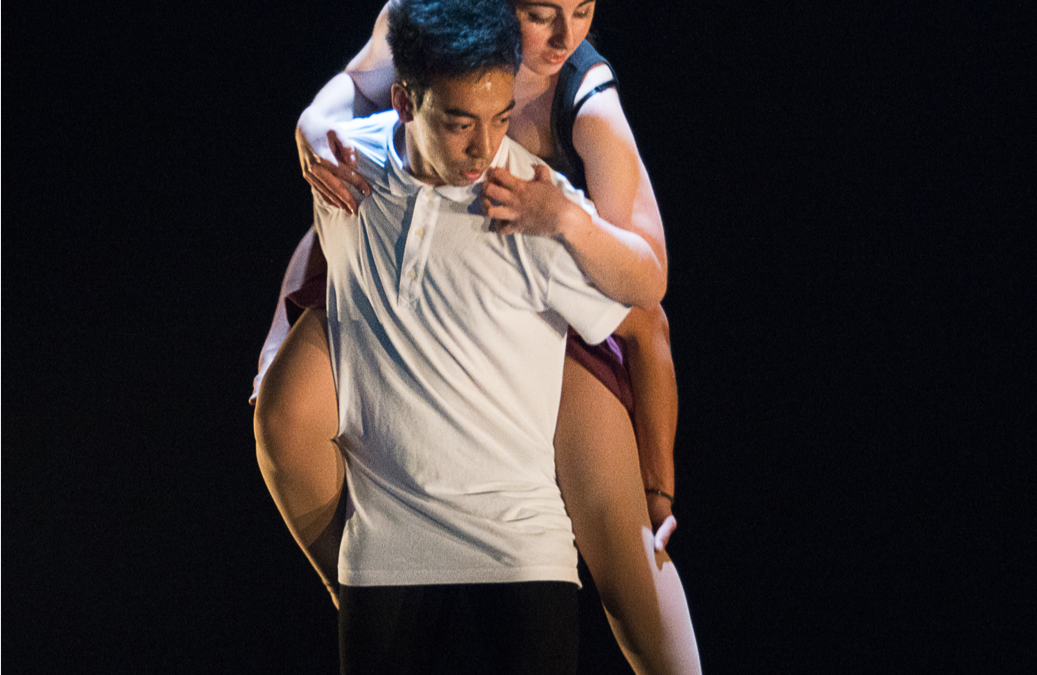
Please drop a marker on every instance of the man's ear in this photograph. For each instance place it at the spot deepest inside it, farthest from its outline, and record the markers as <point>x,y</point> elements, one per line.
<point>401,102</point>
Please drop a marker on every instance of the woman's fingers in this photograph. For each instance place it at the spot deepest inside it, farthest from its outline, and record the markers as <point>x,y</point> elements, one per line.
<point>347,175</point>
<point>343,154</point>
<point>542,172</point>
<point>501,212</point>
<point>498,194</point>
<point>317,184</point>
<point>662,535</point>
<point>331,189</point>
<point>331,171</point>
<point>502,227</point>
<point>347,159</point>
<point>501,205</point>
<point>501,176</point>
<point>531,207</point>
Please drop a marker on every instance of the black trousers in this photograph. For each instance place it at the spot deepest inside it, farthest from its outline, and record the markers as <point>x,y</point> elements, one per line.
<point>511,629</point>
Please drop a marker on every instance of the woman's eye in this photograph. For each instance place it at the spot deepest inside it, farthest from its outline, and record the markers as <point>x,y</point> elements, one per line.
<point>540,18</point>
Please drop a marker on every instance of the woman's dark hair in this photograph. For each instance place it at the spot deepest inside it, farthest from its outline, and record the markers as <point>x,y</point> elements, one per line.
<point>451,38</point>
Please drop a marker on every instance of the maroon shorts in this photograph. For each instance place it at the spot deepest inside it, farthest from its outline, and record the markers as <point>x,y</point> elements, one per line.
<point>604,361</point>
<point>311,295</point>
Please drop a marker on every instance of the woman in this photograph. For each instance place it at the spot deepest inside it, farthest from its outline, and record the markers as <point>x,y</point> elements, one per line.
<point>596,450</point>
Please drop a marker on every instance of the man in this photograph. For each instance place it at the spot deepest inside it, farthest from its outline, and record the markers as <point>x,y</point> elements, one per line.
<point>447,341</point>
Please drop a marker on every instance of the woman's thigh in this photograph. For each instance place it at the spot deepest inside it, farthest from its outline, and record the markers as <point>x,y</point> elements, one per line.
<point>299,388</point>
<point>297,417</point>
<point>598,472</point>
<point>600,479</point>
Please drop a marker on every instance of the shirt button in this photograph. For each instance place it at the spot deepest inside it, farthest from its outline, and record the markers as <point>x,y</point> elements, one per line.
<point>420,232</point>
<point>411,273</point>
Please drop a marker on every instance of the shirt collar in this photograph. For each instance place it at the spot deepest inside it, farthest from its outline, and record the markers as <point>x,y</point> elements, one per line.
<point>403,184</point>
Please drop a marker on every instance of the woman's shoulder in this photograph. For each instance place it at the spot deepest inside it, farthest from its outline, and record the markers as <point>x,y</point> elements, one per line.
<point>588,79</point>
<point>599,78</point>
<point>585,70</point>
<point>584,58</point>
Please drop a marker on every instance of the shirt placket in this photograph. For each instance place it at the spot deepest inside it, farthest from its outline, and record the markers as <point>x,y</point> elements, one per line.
<point>419,236</point>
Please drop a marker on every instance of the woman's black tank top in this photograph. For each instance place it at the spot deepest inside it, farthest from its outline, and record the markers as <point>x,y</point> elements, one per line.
<point>564,109</point>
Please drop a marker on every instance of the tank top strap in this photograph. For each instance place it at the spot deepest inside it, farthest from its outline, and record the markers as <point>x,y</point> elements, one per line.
<point>564,108</point>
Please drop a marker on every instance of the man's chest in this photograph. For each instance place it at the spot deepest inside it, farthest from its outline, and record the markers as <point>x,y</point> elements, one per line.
<point>428,253</point>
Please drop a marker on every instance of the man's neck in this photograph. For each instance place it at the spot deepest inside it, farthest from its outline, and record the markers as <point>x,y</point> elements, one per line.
<point>411,164</point>
<point>399,142</point>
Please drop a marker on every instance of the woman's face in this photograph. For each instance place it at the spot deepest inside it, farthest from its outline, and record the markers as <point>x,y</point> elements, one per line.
<point>551,31</point>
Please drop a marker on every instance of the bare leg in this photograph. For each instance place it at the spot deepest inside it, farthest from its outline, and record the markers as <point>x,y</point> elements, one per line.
<point>296,420</point>
<point>307,260</point>
<point>598,473</point>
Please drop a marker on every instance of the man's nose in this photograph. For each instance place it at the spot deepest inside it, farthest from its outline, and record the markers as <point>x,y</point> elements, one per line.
<point>480,144</point>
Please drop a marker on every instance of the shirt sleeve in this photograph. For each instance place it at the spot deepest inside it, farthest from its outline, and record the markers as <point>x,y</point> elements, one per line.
<point>369,136</point>
<point>590,313</point>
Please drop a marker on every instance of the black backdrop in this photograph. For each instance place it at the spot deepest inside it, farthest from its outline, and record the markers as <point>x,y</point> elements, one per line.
<point>846,195</point>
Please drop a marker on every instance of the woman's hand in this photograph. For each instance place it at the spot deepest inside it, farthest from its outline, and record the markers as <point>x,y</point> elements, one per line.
<point>660,513</point>
<point>619,263</point>
<point>535,207</point>
<point>330,168</point>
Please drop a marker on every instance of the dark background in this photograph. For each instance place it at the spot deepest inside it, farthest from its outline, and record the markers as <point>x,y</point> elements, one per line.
<point>847,194</point>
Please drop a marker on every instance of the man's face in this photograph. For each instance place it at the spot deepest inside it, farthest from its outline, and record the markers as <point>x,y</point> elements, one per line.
<point>453,136</point>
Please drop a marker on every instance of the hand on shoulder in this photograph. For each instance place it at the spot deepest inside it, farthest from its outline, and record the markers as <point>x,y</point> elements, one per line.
<point>536,207</point>
<point>331,169</point>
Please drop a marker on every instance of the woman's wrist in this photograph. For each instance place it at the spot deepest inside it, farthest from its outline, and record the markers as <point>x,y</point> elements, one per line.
<point>660,493</point>
<point>574,224</point>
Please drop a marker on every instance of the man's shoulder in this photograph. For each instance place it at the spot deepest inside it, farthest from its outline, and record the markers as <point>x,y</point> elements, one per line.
<point>371,135</point>
<point>544,252</point>
<point>519,161</point>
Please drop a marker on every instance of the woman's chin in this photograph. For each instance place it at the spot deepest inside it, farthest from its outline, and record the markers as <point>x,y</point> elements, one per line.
<point>544,67</point>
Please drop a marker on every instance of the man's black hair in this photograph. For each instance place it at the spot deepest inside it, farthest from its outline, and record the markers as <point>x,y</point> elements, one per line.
<point>451,38</point>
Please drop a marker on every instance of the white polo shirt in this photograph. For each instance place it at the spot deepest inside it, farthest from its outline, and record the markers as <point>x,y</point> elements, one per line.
<point>447,343</point>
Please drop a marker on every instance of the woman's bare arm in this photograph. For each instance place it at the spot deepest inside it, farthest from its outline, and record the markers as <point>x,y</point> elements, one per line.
<point>623,250</point>
<point>618,183</point>
<point>620,263</point>
<point>617,180</point>
<point>327,163</point>
<point>654,388</point>
<point>372,70</point>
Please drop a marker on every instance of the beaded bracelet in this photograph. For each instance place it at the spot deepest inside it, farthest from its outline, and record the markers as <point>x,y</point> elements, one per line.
<point>656,491</point>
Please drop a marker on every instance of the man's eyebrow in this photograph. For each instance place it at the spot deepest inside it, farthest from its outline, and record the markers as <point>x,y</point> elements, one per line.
<point>460,112</point>
<point>507,109</point>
